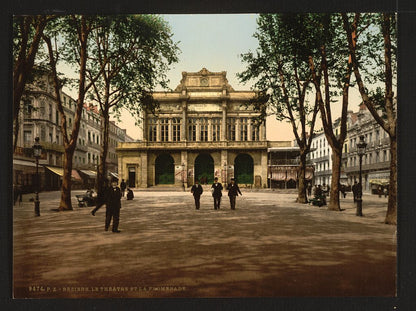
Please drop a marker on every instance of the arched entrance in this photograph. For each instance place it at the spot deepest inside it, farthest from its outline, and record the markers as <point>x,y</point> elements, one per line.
<point>164,170</point>
<point>244,169</point>
<point>204,168</point>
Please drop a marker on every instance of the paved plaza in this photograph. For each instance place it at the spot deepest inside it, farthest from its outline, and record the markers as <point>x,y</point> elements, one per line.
<point>269,246</point>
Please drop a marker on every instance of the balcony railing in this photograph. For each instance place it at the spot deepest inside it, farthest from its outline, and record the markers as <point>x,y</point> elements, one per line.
<point>369,167</point>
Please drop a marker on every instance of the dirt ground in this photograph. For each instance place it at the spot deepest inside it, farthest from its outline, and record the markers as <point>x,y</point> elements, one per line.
<point>269,246</point>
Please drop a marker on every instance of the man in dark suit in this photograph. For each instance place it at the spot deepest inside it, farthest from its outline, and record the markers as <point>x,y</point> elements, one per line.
<point>216,189</point>
<point>111,198</point>
<point>233,191</point>
<point>197,190</point>
<point>114,206</point>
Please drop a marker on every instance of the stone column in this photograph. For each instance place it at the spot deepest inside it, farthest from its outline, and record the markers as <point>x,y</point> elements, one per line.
<point>224,121</point>
<point>143,170</point>
<point>224,168</point>
<point>210,129</point>
<point>183,122</point>
<point>170,130</point>
<point>158,129</point>
<point>237,129</point>
<point>263,129</point>
<point>249,129</point>
<point>145,127</point>
<point>198,129</point>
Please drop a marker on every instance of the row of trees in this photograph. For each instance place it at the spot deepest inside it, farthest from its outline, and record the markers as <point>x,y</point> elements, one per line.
<point>322,56</point>
<point>119,59</point>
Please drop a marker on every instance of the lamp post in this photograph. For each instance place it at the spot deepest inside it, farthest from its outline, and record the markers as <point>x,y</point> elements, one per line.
<point>183,176</point>
<point>37,152</point>
<point>360,151</point>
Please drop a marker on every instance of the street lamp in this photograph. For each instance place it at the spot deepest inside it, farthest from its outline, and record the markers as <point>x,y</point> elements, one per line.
<point>360,151</point>
<point>37,152</point>
<point>183,176</point>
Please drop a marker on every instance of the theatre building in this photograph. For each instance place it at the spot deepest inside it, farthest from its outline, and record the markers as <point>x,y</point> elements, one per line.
<point>203,129</point>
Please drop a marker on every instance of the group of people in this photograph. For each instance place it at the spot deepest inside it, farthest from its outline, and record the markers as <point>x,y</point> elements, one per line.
<point>123,187</point>
<point>216,190</point>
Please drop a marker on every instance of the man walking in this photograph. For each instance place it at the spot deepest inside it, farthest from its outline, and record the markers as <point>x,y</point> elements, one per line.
<point>197,190</point>
<point>233,191</point>
<point>216,189</point>
<point>110,197</point>
<point>123,187</point>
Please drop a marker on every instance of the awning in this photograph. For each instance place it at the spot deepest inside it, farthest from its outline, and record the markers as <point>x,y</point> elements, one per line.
<point>90,174</point>
<point>114,174</point>
<point>24,163</point>
<point>60,172</point>
<point>381,182</point>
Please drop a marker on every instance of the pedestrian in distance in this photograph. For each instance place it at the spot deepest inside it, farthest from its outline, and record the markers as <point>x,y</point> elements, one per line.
<point>123,187</point>
<point>354,189</point>
<point>233,191</point>
<point>309,187</point>
<point>130,194</point>
<point>216,190</point>
<point>197,190</point>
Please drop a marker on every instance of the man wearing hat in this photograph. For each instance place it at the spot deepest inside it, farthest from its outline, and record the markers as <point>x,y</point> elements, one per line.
<point>233,191</point>
<point>197,190</point>
<point>216,190</point>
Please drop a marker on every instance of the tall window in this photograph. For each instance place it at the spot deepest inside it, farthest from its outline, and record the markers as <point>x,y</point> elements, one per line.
<point>176,128</point>
<point>254,132</point>
<point>192,129</point>
<point>231,129</point>
<point>152,129</point>
<point>164,129</point>
<point>50,112</point>
<point>244,129</point>
<point>216,129</point>
<point>204,129</point>
<point>27,136</point>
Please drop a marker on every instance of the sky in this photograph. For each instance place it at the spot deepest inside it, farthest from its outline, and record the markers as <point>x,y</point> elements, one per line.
<point>214,42</point>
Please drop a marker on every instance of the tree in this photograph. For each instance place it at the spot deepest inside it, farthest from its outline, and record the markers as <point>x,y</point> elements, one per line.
<point>27,36</point>
<point>374,62</point>
<point>73,33</point>
<point>130,54</point>
<point>333,74</point>
<point>280,67</point>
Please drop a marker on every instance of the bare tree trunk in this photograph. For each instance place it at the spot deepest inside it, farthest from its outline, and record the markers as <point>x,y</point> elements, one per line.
<point>302,198</point>
<point>336,174</point>
<point>25,62</point>
<point>66,203</point>
<point>102,168</point>
<point>391,215</point>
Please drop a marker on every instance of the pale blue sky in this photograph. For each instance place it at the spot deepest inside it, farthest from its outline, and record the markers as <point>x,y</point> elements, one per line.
<point>213,41</point>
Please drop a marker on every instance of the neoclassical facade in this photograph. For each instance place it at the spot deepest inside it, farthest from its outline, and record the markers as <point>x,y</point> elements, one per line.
<point>203,129</point>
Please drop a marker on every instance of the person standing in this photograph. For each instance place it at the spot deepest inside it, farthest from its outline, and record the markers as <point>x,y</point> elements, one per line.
<point>233,191</point>
<point>309,187</point>
<point>216,189</point>
<point>114,206</point>
<point>111,198</point>
<point>197,190</point>
<point>354,189</point>
<point>123,187</point>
